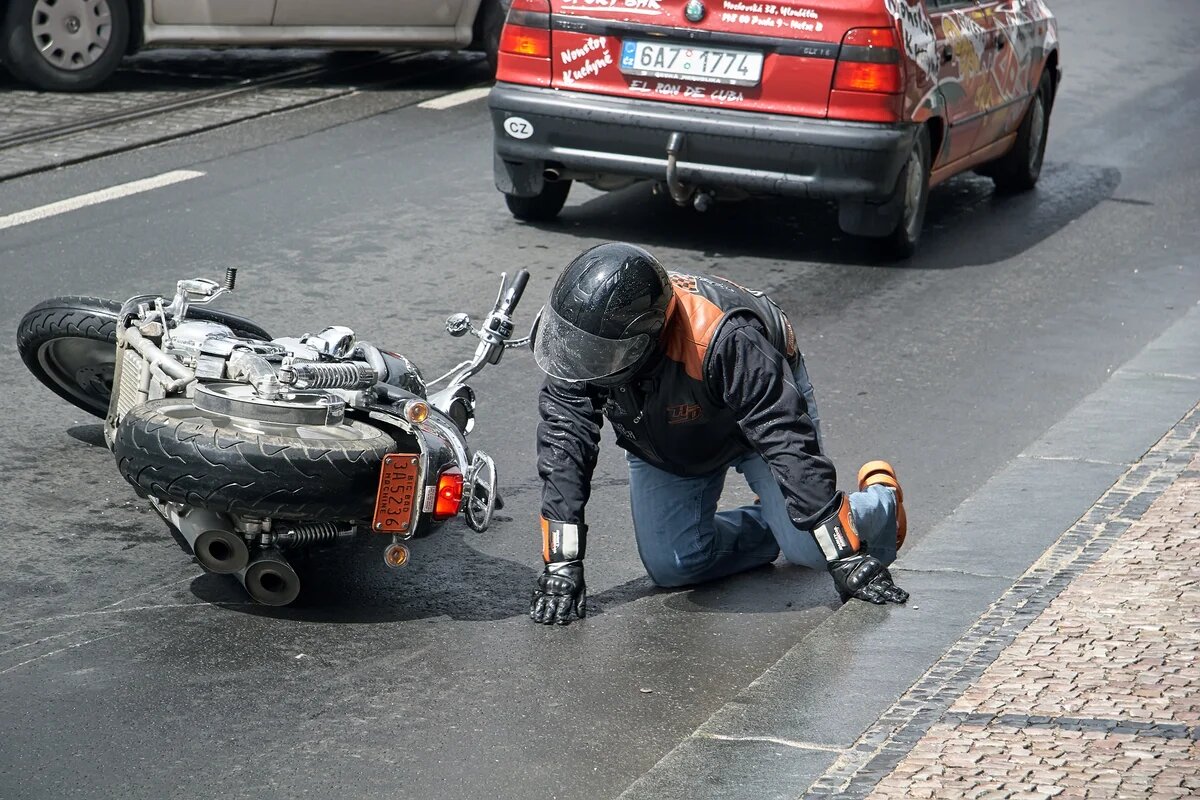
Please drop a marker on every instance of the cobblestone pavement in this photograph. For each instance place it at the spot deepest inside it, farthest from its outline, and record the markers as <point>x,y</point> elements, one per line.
<point>1099,697</point>
<point>1099,694</point>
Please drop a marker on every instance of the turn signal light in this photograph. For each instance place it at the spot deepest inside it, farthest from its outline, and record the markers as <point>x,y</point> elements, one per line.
<point>855,77</point>
<point>416,411</point>
<point>449,494</point>
<point>522,41</point>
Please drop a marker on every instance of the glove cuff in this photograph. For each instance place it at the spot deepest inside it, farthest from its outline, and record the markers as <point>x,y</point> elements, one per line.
<point>563,541</point>
<point>835,533</point>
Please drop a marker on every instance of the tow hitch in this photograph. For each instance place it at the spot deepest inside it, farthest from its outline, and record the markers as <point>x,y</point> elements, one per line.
<point>682,195</point>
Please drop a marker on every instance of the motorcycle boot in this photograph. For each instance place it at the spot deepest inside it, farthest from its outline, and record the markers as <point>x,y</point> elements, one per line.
<point>882,473</point>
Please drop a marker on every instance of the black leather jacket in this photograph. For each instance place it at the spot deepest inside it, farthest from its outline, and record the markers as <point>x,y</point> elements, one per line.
<point>722,387</point>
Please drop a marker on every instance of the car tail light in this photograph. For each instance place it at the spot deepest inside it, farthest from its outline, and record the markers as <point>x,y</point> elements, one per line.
<point>449,494</point>
<point>867,83</point>
<point>525,44</point>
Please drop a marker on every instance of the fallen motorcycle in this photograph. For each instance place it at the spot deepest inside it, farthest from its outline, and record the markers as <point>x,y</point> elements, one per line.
<point>252,446</point>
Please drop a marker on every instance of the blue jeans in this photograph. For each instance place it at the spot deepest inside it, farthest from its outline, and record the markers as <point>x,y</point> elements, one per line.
<point>682,538</point>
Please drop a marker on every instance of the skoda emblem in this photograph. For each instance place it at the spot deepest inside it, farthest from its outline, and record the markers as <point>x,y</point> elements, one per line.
<point>694,11</point>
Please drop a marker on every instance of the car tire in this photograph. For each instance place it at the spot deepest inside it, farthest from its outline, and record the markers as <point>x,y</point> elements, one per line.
<point>911,198</point>
<point>69,344</point>
<point>171,450</point>
<point>1019,169</point>
<point>59,53</point>
<point>489,22</point>
<point>543,206</point>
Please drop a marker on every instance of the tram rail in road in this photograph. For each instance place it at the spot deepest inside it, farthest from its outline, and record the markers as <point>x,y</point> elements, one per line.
<point>35,147</point>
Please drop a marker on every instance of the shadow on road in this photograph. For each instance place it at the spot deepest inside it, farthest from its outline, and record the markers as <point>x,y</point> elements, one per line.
<point>967,224</point>
<point>445,578</point>
<point>88,434</point>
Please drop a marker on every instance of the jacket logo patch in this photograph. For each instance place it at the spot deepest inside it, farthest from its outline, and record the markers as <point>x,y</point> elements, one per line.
<point>685,282</point>
<point>684,412</point>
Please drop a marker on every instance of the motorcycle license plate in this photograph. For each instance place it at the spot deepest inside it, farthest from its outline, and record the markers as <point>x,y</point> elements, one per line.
<point>708,64</point>
<point>397,494</point>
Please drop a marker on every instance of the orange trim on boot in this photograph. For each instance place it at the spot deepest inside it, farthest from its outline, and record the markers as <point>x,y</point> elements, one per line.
<point>881,472</point>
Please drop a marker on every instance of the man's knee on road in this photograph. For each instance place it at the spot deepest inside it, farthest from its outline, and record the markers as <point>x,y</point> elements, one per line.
<point>670,569</point>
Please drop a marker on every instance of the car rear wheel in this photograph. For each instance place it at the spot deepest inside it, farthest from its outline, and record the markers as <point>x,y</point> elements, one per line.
<point>65,45</point>
<point>543,206</point>
<point>1020,168</point>
<point>912,196</point>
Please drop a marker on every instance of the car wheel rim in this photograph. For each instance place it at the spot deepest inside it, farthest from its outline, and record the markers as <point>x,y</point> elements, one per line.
<point>71,34</point>
<point>1037,134</point>
<point>914,185</point>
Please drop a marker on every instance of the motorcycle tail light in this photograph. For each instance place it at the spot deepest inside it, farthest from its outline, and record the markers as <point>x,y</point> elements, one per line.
<point>449,494</point>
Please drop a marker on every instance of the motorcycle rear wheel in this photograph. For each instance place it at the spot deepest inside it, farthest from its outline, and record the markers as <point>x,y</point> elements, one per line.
<point>171,450</point>
<point>69,344</point>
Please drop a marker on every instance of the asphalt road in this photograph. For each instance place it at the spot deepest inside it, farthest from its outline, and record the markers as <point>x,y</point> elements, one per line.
<point>125,671</point>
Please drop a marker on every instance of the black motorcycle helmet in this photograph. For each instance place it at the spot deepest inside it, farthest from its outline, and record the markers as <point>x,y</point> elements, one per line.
<point>604,317</point>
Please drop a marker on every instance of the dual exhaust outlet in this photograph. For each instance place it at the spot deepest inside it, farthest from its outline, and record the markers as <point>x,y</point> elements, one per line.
<point>267,577</point>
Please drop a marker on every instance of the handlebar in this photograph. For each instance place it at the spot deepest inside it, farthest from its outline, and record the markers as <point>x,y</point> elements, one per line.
<point>513,296</point>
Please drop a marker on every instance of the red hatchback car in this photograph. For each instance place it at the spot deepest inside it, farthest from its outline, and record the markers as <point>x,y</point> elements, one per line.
<point>868,103</point>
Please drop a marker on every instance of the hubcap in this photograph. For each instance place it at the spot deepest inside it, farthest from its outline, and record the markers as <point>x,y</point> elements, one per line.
<point>912,191</point>
<point>1037,132</point>
<point>71,34</point>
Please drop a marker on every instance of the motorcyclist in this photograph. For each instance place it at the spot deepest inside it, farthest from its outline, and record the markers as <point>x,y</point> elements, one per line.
<point>696,375</point>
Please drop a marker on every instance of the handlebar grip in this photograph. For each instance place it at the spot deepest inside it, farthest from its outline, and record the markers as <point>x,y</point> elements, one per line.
<point>513,296</point>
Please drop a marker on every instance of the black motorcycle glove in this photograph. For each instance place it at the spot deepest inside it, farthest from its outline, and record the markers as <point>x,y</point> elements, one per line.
<point>864,577</point>
<point>560,590</point>
<point>856,573</point>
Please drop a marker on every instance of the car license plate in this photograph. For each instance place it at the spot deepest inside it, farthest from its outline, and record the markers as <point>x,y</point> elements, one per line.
<point>707,64</point>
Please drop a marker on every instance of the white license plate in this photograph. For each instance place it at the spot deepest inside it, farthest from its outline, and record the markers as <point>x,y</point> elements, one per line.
<point>707,64</point>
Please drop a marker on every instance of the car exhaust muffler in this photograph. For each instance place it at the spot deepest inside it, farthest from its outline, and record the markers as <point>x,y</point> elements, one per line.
<point>217,546</point>
<point>270,579</point>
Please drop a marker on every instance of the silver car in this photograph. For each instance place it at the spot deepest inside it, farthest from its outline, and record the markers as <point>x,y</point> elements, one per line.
<point>73,45</point>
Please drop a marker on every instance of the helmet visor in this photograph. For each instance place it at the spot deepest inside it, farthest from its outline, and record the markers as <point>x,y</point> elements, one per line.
<point>571,354</point>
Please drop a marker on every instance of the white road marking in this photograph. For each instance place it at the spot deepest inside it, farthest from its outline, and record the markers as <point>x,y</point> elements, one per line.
<point>102,196</point>
<point>455,99</point>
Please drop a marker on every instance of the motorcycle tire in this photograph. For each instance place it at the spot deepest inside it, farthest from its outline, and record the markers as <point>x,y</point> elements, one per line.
<point>69,344</point>
<point>171,450</point>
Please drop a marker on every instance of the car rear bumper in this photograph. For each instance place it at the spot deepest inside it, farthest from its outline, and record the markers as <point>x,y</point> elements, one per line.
<point>579,133</point>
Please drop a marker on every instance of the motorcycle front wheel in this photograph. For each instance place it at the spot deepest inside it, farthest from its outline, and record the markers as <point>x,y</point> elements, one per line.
<point>172,450</point>
<point>70,343</point>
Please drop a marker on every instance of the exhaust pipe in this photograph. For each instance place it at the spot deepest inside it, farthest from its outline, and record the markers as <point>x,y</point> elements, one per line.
<point>270,579</point>
<point>217,546</point>
<point>551,173</point>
